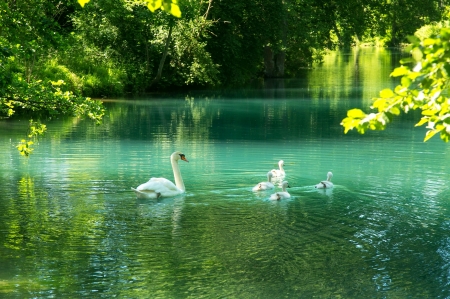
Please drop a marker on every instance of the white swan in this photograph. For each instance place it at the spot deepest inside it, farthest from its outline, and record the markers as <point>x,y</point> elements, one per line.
<point>283,194</point>
<point>326,184</point>
<point>265,185</point>
<point>161,187</point>
<point>279,173</point>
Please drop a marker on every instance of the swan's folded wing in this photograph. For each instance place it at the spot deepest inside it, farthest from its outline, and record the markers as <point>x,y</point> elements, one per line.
<point>158,185</point>
<point>145,193</point>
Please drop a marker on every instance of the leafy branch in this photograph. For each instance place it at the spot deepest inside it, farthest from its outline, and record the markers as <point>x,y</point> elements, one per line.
<point>46,98</point>
<point>171,6</point>
<point>424,87</point>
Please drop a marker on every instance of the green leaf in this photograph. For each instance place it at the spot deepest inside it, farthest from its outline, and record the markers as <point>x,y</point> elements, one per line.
<point>406,81</point>
<point>445,136</point>
<point>417,54</point>
<point>406,60</point>
<point>413,39</point>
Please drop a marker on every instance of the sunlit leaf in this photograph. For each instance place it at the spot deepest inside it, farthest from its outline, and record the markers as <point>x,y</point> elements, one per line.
<point>379,104</point>
<point>154,5</point>
<point>356,113</point>
<point>429,112</point>
<point>400,71</point>
<point>422,121</point>
<point>386,93</point>
<point>175,10</point>
<point>430,134</point>
<point>83,2</point>
<point>395,110</point>
<point>170,6</point>
<point>429,41</point>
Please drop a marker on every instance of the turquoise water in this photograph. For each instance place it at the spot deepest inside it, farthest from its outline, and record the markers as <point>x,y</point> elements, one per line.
<point>70,227</point>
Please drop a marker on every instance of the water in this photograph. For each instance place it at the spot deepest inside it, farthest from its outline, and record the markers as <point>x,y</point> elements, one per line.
<point>71,227</point>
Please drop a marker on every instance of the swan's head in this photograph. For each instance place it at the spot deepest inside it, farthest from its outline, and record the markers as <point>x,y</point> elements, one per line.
<point>269,175</point>
<point>179,155</point>
<point>285,184</point>
<point>281,163</point>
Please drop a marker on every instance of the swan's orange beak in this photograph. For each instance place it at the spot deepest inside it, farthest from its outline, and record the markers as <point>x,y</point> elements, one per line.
<point>183,157</point>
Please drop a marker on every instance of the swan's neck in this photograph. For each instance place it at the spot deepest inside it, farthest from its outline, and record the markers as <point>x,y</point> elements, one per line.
<point>177,175</point>
<point>283,188</point>
<point>281,167</point>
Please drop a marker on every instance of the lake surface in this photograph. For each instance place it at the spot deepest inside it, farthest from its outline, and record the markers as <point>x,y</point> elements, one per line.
<point>70,227</point>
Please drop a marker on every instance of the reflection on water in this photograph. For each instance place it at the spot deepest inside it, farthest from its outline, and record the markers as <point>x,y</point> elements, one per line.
<point>71,227</point>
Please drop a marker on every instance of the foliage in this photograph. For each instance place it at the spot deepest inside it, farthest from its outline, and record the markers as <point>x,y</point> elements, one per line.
<point>388,21</point>
<point>239,35</point>
<point>190,62</point>
<point>133,39</point>
<point>424,87</point>
<point>45,100</point>
<point>54,55</point>
<point>35,129</point>
<point>30,32</point>
<point>170,6</point>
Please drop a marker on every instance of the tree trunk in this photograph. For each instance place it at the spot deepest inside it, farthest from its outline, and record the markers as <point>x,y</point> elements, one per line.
<point>274,62</point>
<point>280,57</point>
<point>269,65</point>
<point>163,58</point>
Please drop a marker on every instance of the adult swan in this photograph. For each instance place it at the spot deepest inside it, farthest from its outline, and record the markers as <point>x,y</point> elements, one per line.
<point>161,187</point>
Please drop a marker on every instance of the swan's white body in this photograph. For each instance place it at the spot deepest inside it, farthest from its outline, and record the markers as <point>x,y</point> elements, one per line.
<point>282,194</point>
<point>279,173</point>
<point>326,184</point>
<point>265,185</point>
<point>161,187</point>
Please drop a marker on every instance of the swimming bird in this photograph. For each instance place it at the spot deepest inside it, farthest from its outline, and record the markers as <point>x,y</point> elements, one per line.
<point>161,187</point>
<point>282,194</point>
<point>326,184</point>
<point>265,185</point>
<point>279,173</point>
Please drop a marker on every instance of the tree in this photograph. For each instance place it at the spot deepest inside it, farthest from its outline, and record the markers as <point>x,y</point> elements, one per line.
<point>425,86</point>
<point>29,31</point>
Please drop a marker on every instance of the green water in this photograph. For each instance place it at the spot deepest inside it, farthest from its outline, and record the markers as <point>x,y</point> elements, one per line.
<point>70,227</point>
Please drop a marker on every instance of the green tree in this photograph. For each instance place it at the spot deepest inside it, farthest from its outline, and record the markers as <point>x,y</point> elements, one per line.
<point>425,86</point>
<point>29,32</point>
<point>141,47</point>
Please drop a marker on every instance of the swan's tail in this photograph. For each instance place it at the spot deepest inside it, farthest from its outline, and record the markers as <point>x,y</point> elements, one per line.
<point>141,194</point>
